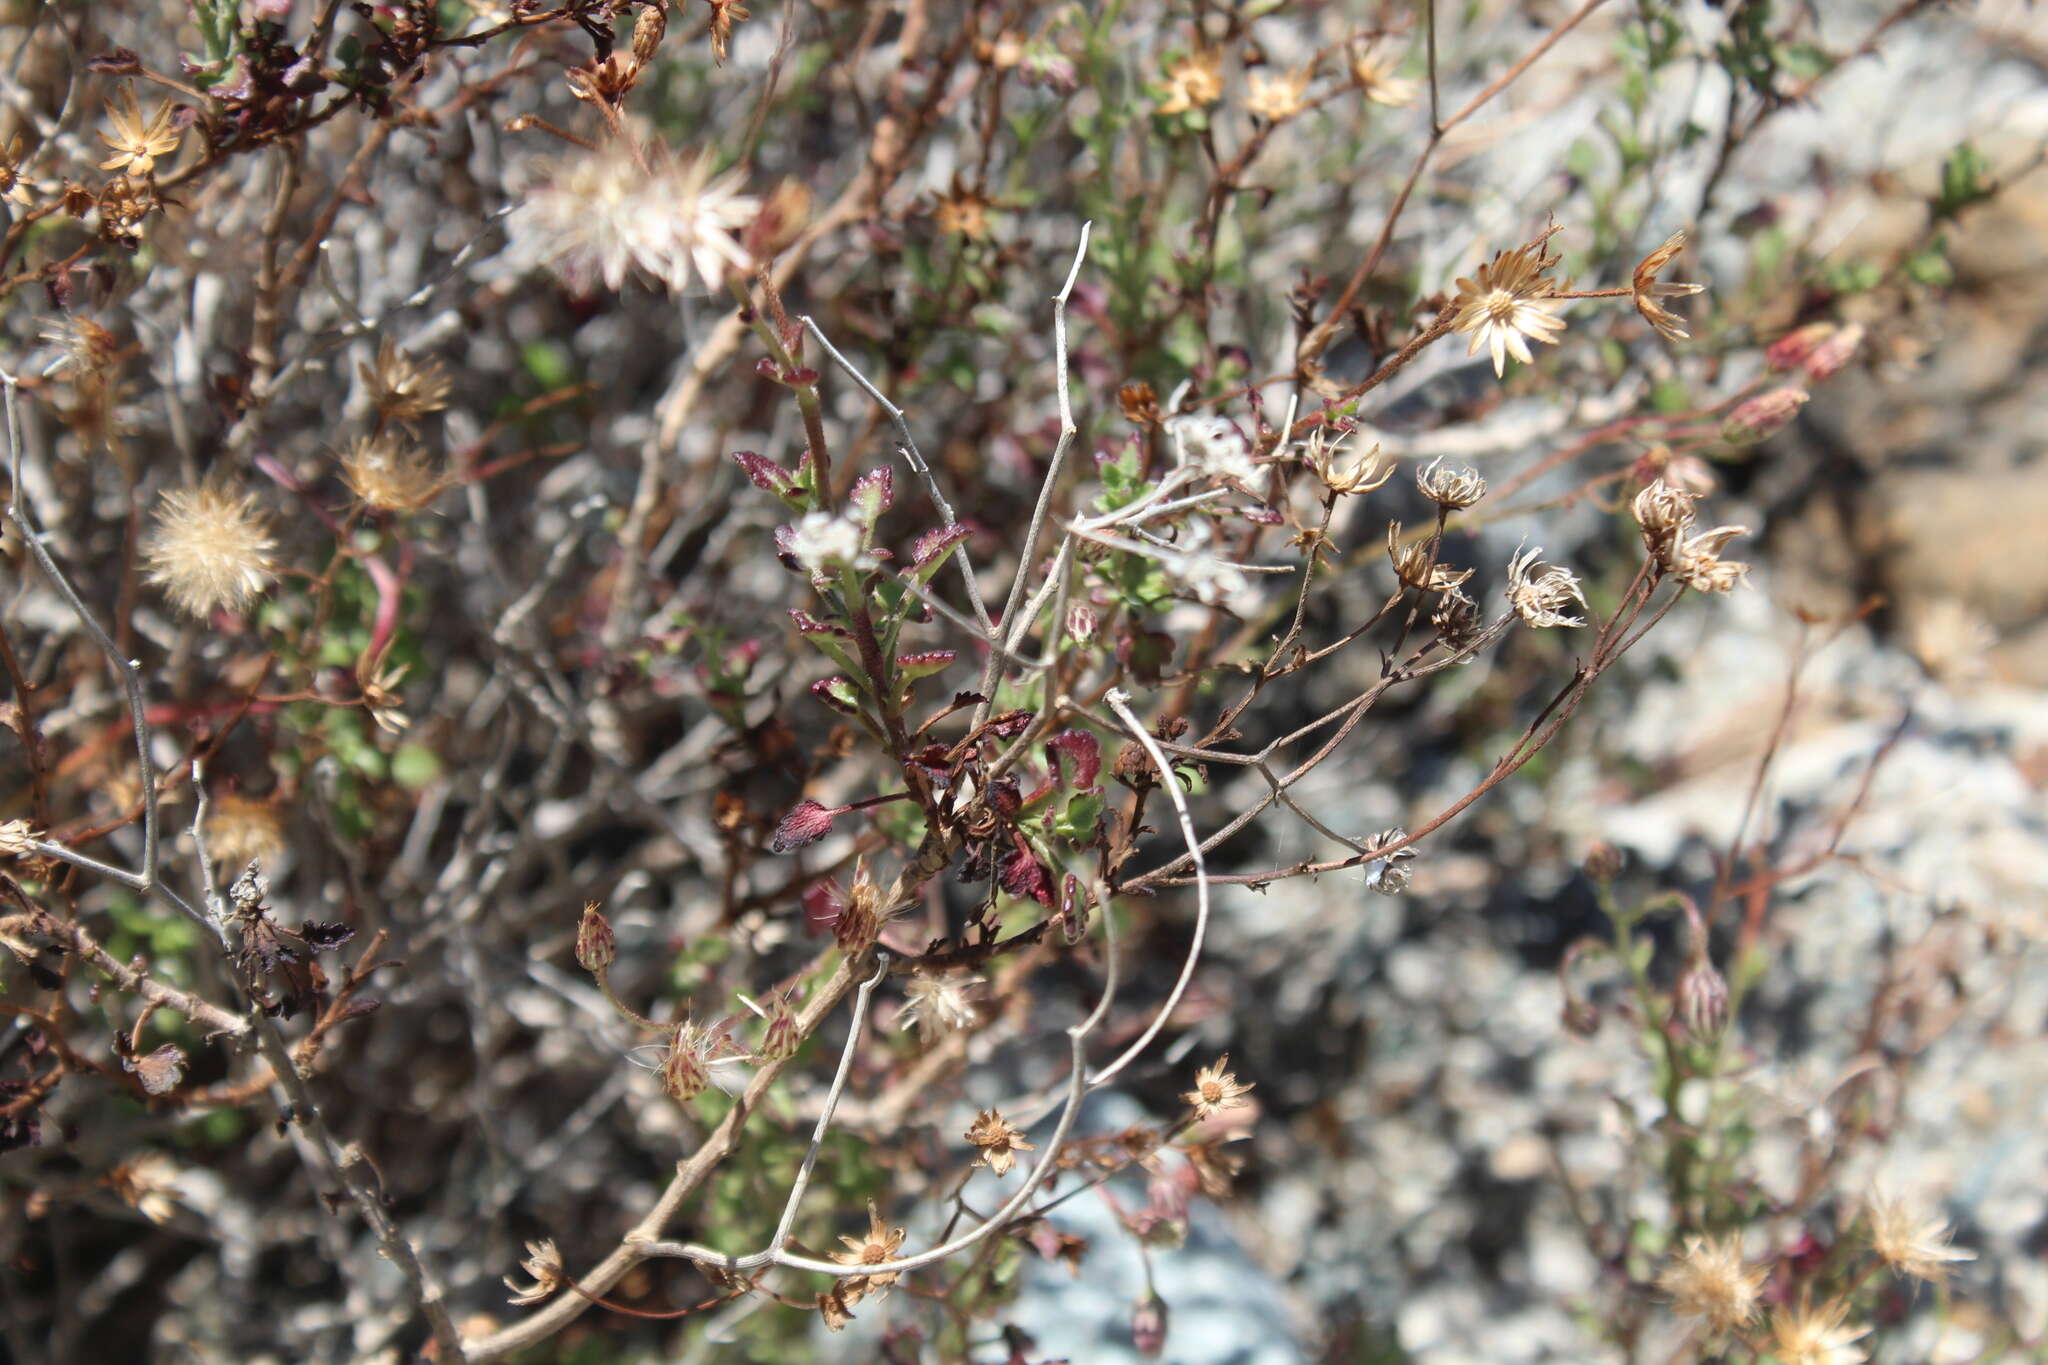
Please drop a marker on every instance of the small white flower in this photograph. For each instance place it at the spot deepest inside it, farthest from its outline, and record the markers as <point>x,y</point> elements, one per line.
<point>824,543</point>
<point>1214,445</point>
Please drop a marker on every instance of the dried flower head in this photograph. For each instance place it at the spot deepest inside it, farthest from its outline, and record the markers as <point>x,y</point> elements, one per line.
<point>1193,82</point>
<point>963,211</point>
<point>544,1263</point>
<point>125,203</point>
<point>390,474</point>
<point>602,218</point>
<point>1646,289</point>
<point>1361,475</point>
<point>1376,79</point>
<point>1509,305</point>
<point>378,686</point>
<point>148,1184</point>
<point>210,549</point>
<point>997,1141</point>
<point>1274,97</point>
<point>1708,1280</point>
<point>1389,873</point>
<point>1416,565</point>
<point>1664,512</point>
<point>693,1057</point>
<point>240,831</point>
<point>18,838</point>
<point>404,389</point>
<point>1816,1336</point>
<point>1216,1090</point>
<point>136,143</point>
<point>881,1244</point>
<point>1451,489</point>
<point>937,1005</point>
<point>15,186</point>
<point>1542,593</point>
<point>1696,561</point>
<point>724,14</point>
<point>1457,621</point>
<point>90,351</point>
<point>1911,1241</point>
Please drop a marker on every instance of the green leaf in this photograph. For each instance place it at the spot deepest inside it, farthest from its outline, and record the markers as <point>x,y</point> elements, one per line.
<point>1963,182</point>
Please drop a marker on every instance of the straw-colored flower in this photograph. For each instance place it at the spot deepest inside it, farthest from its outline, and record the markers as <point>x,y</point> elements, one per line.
<point>1193,82</point>
<point>138,143</point>
<point>1910,1240</point>
<point>1708,1280</point>
<point>1216,1090</point>
<point>1377,81</point>
<point>1276,97</point>
<point>240,830</point>
<point>998,1142</point>
<point>543,1262</point>
<point>211,549</point>
<point>1451,489</point>
<point>402,388</point>
<point>1542,593</point>
<point>602,218</point>
<point>1817,1336</point>
<point>1509,305</point>
<point>1646,289</point>
<point>14,182</point>
<point>881,1244</point>
<point>1696,561</point>
<point>389,474</point>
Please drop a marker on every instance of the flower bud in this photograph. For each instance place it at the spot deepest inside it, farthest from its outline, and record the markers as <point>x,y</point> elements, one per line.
<point>1833,353</point>
<point>1764,415</point>
<point>647,32</point>
<point>1702,999</point>
<point>595,948</point>
<point>1148,1326</point>
<point>1790,351</point>
<point>780,1042</point>
<point>1082,622</point>
<point>1603,862</point>
<point>683,1072</point>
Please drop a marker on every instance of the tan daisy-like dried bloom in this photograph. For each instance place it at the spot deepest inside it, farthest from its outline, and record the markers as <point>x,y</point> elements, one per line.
<point>138,144</point>
<point>881,1244</point>
<point>1697,563</point>
<point>211,549</point>
<point>1665,513</point>
<point>1708,1280</point>
<point>1541,594</point>
<point>148,1184</point>
<point>1451,489</point>
<point>835,1308</point>
<point>1193,82</point>
<point>378,686</point>
<point>1415,567</point>
<point>1646,289</point>
<point>389,474</point>
<point>606,82</point>
<point>1216,1090</point>
<point>15,187</point>
<point>18,838</point>
<point>938,1005</point>
<point>1817,1336</point>
<point>963,211</point>
<point>1274,97</point>
<point>1362,475</point>
<point>1911,1241</point>
<point>998,1141</point>
<point>1509,305</point>
<point>1377,81</point>
<point>544,1263</point>
<point>239,830</point>
<point>401,388</point>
